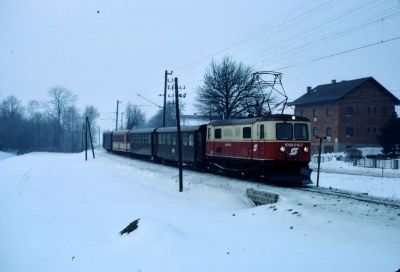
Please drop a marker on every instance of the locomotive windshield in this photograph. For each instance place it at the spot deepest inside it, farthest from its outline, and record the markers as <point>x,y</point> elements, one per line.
<point>301,132</point>
<point>284,131</point>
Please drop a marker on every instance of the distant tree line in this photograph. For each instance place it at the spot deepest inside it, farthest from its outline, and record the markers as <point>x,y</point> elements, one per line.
<point>389,137</point>
<point>55,125</point>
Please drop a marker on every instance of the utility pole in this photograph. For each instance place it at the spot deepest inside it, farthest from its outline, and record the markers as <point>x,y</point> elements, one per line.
<point>116,120</point>
<point>319,156</point>
<point>90,135</point>
<point>99,137</point>
<point>165,94</point>
<point>178,125</point>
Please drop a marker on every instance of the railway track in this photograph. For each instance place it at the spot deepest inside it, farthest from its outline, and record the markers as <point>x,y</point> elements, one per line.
<point>356,196</point>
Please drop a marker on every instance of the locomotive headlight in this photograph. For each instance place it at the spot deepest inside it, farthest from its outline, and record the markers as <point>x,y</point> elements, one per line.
<point>282,149</point>
<point>305,149</point>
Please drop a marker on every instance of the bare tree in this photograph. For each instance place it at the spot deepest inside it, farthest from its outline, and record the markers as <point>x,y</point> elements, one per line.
<point>226,85</point>
<point>11,123</point>
<point>170,116</point>
<point>11,108</point>
<point>60,100</point>
<point>134,116</point>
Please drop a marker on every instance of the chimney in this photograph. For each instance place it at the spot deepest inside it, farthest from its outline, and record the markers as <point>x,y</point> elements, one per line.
<point>333,81</point>
<point>309,89</point>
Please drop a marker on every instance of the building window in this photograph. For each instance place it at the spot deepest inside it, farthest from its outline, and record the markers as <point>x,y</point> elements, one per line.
<point>329,111</point>
<point>328,132</point>
<point>315,112</point>
<point>349,111</point>
<point>315,131</point>
<point>383,112</point>
<point>349,132</point>
<point>246,132</point>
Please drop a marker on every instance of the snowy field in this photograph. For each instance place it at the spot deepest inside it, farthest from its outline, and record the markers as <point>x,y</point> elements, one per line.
<point>343,175</point>
<point>60,213</point>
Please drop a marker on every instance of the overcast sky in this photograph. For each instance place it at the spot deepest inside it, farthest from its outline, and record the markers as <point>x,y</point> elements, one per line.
<point>108,50</point>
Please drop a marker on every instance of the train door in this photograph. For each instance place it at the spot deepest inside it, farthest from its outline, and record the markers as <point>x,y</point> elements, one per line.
<point>247,142</point>
<point>210,141</point>
<point>154,144</point>
<point>261,140</point>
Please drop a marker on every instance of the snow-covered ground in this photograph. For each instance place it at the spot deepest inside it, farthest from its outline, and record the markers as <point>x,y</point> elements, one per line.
<point>373,181</point>
<point>5,155</point>
<point>60,213</point>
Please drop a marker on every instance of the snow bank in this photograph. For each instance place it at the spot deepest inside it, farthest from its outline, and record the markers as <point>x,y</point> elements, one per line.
<point>4,155</point>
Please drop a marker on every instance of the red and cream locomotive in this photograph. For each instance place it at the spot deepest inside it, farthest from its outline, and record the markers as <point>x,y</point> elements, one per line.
<point>276,147</point>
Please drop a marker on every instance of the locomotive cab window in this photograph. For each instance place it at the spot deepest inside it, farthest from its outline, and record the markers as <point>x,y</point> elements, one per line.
<point>261,131</point>
<point>217,133</point>
<point>246,132</point>
<point>284,131</point>
<point>300,132</point>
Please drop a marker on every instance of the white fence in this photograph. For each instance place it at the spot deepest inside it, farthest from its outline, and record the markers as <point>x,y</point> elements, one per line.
<point>363,162</point>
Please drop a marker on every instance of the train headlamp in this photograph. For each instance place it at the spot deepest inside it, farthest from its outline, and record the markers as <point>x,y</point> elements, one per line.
<point>293,117</point>
<point>305,149</point>
<point>282,149</point>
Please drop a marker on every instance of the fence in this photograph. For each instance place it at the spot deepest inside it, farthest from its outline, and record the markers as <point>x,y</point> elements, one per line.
<point>363,162</point>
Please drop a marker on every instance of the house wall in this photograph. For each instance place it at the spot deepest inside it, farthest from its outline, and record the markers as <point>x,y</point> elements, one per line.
<point>371,107</point>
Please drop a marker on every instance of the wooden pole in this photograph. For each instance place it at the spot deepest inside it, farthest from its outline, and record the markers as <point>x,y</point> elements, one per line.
<point>86,142</point>
<point>319,156</point>
<point>178,126</point>
<point>90,135</point>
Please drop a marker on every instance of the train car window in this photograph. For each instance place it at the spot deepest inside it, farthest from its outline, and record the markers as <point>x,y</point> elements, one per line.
<point>173,139</point>
<point>191,140</point>
<point>300,131</point>
<point>184,139</point>
<point>262,131</point>
<point>284,131</point>
<point>217,133</point>
<point>246,132</point>
<point>168,139</point>
<point>208,133</point>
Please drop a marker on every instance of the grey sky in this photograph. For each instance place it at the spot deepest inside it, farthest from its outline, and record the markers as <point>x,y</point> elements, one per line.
<point>124,49</point>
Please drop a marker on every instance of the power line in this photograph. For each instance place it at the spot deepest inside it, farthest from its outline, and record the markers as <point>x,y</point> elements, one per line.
<point>358,48</point>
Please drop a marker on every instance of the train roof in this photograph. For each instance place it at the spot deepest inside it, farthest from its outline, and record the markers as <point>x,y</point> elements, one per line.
<point>183,129</point>
<point>142,130</point>
<point>246,121</point>
<point>120,131</point>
